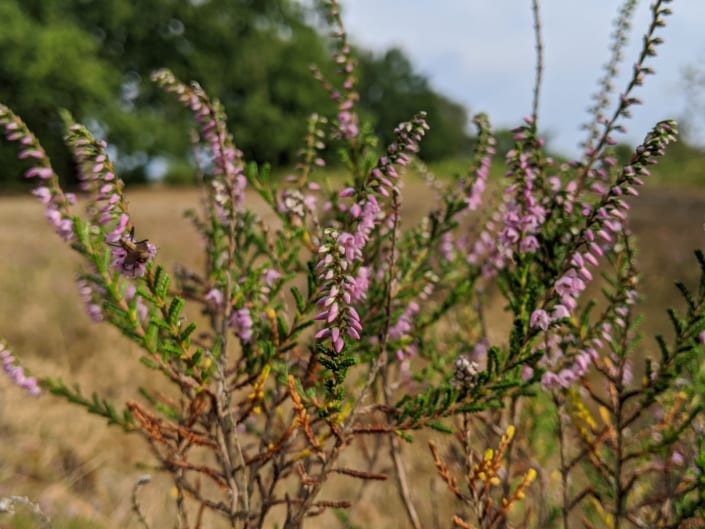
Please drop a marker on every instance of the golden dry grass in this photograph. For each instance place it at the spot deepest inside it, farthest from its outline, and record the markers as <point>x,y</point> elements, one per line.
<point>79,468</point>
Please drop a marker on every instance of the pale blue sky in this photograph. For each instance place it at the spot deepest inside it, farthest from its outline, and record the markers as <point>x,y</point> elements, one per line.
<point>481,53</point>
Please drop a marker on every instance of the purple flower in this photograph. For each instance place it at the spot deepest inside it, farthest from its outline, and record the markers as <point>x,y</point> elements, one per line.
<point>404,326</point>
<point>228,165</point>
<point>241,322</point>
<point>560,312</point>
<point>130,257</point>
<point>140,307</point>
<point>347,123</point>
<point>359,284</point>
<point>90,294</point>
<point>16,373</point>
<point>526,373</point>
<point>214,297</point>
<point>540,319</point>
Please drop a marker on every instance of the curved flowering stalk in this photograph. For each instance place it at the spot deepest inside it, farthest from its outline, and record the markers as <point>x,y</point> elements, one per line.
<point>107,296</point>
<point>347,119</point>
<point>16,373</point>
<point>342,281</point>
<point>108,207</point>
<point>595,147</point>
<point>480,168</point>
<point>601,229</point>
<point>642,453</point>
<point>382,177</point>
<point>229,181</point>
<point>602,222</point>
<point>622,25</point>
<point>48,189</point>
<point>512,230</point>
<point>129,257</point>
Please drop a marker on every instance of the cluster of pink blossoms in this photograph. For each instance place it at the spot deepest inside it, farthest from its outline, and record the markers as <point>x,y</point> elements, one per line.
<point>89,295</point>
<point>48,191</point>
<point>513,227</point>
<point>516,222</point>
<point>341,250</point>
<point>340,288</point>
<point>604,224</point>
<point>487,149</point>
<point>16,373</point>
<point>227,160</point>
<point>241,322</point>
<point>97,175</point>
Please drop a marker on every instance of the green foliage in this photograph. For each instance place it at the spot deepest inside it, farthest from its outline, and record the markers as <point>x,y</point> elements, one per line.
<point>391,91</point>
<point>49,62</point>
<point>94,59</point>
<point>94,405</point>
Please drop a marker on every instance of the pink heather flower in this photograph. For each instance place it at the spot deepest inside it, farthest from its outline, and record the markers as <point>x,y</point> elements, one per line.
<point>270,275</point>
<point>89,295</point>
<point>131,296</point>
<point>526,373</point>
<point>447,246</point>
<point>702,337</point>
<point>560,312</point>
<point>16,373</point>
<point>347,123</point>
<point>404,324</point>
<point>241,322</point>
<point>62,224</point>
<point>43,194</point>
<point>359,285</point>
<point>550,380</point>
<point>529,244</point>
<point>627,373</point>
<point>227,160</point>
<point>44,173</point>
<point>214,297</point>
<point>540,319</point>
<point>480,184</point>
<point>130,257</point>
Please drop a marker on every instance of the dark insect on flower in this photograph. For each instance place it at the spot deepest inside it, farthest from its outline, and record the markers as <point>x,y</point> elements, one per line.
<point>131,254</point>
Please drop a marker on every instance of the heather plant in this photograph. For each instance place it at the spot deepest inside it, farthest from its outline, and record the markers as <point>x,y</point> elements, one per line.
<point>303,339</point>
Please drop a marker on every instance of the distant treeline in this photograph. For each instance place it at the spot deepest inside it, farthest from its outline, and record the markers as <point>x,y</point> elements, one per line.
<point>94,57</point>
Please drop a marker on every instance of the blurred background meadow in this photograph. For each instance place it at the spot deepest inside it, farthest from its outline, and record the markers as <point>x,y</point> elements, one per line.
<point>94,58</point>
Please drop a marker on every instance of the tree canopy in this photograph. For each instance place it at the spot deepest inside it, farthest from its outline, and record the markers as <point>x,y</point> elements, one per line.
<point>94,58</point>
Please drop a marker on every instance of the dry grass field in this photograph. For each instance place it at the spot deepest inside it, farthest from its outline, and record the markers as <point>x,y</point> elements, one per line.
<point>81,471</point>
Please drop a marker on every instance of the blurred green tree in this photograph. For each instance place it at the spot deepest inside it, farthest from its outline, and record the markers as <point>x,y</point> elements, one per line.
<point>94,57</point>
<point>391,91</point>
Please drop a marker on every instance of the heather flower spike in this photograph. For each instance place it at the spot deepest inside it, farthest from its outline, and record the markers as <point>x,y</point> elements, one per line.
<point>109,210</point>
<point>16,373</point>
<point>48,190</point>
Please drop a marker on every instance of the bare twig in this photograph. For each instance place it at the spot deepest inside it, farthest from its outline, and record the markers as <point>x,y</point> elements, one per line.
<point>8,503</point>
<point>143,480</point>
<point>539,59</point>
<point>402,482</point>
